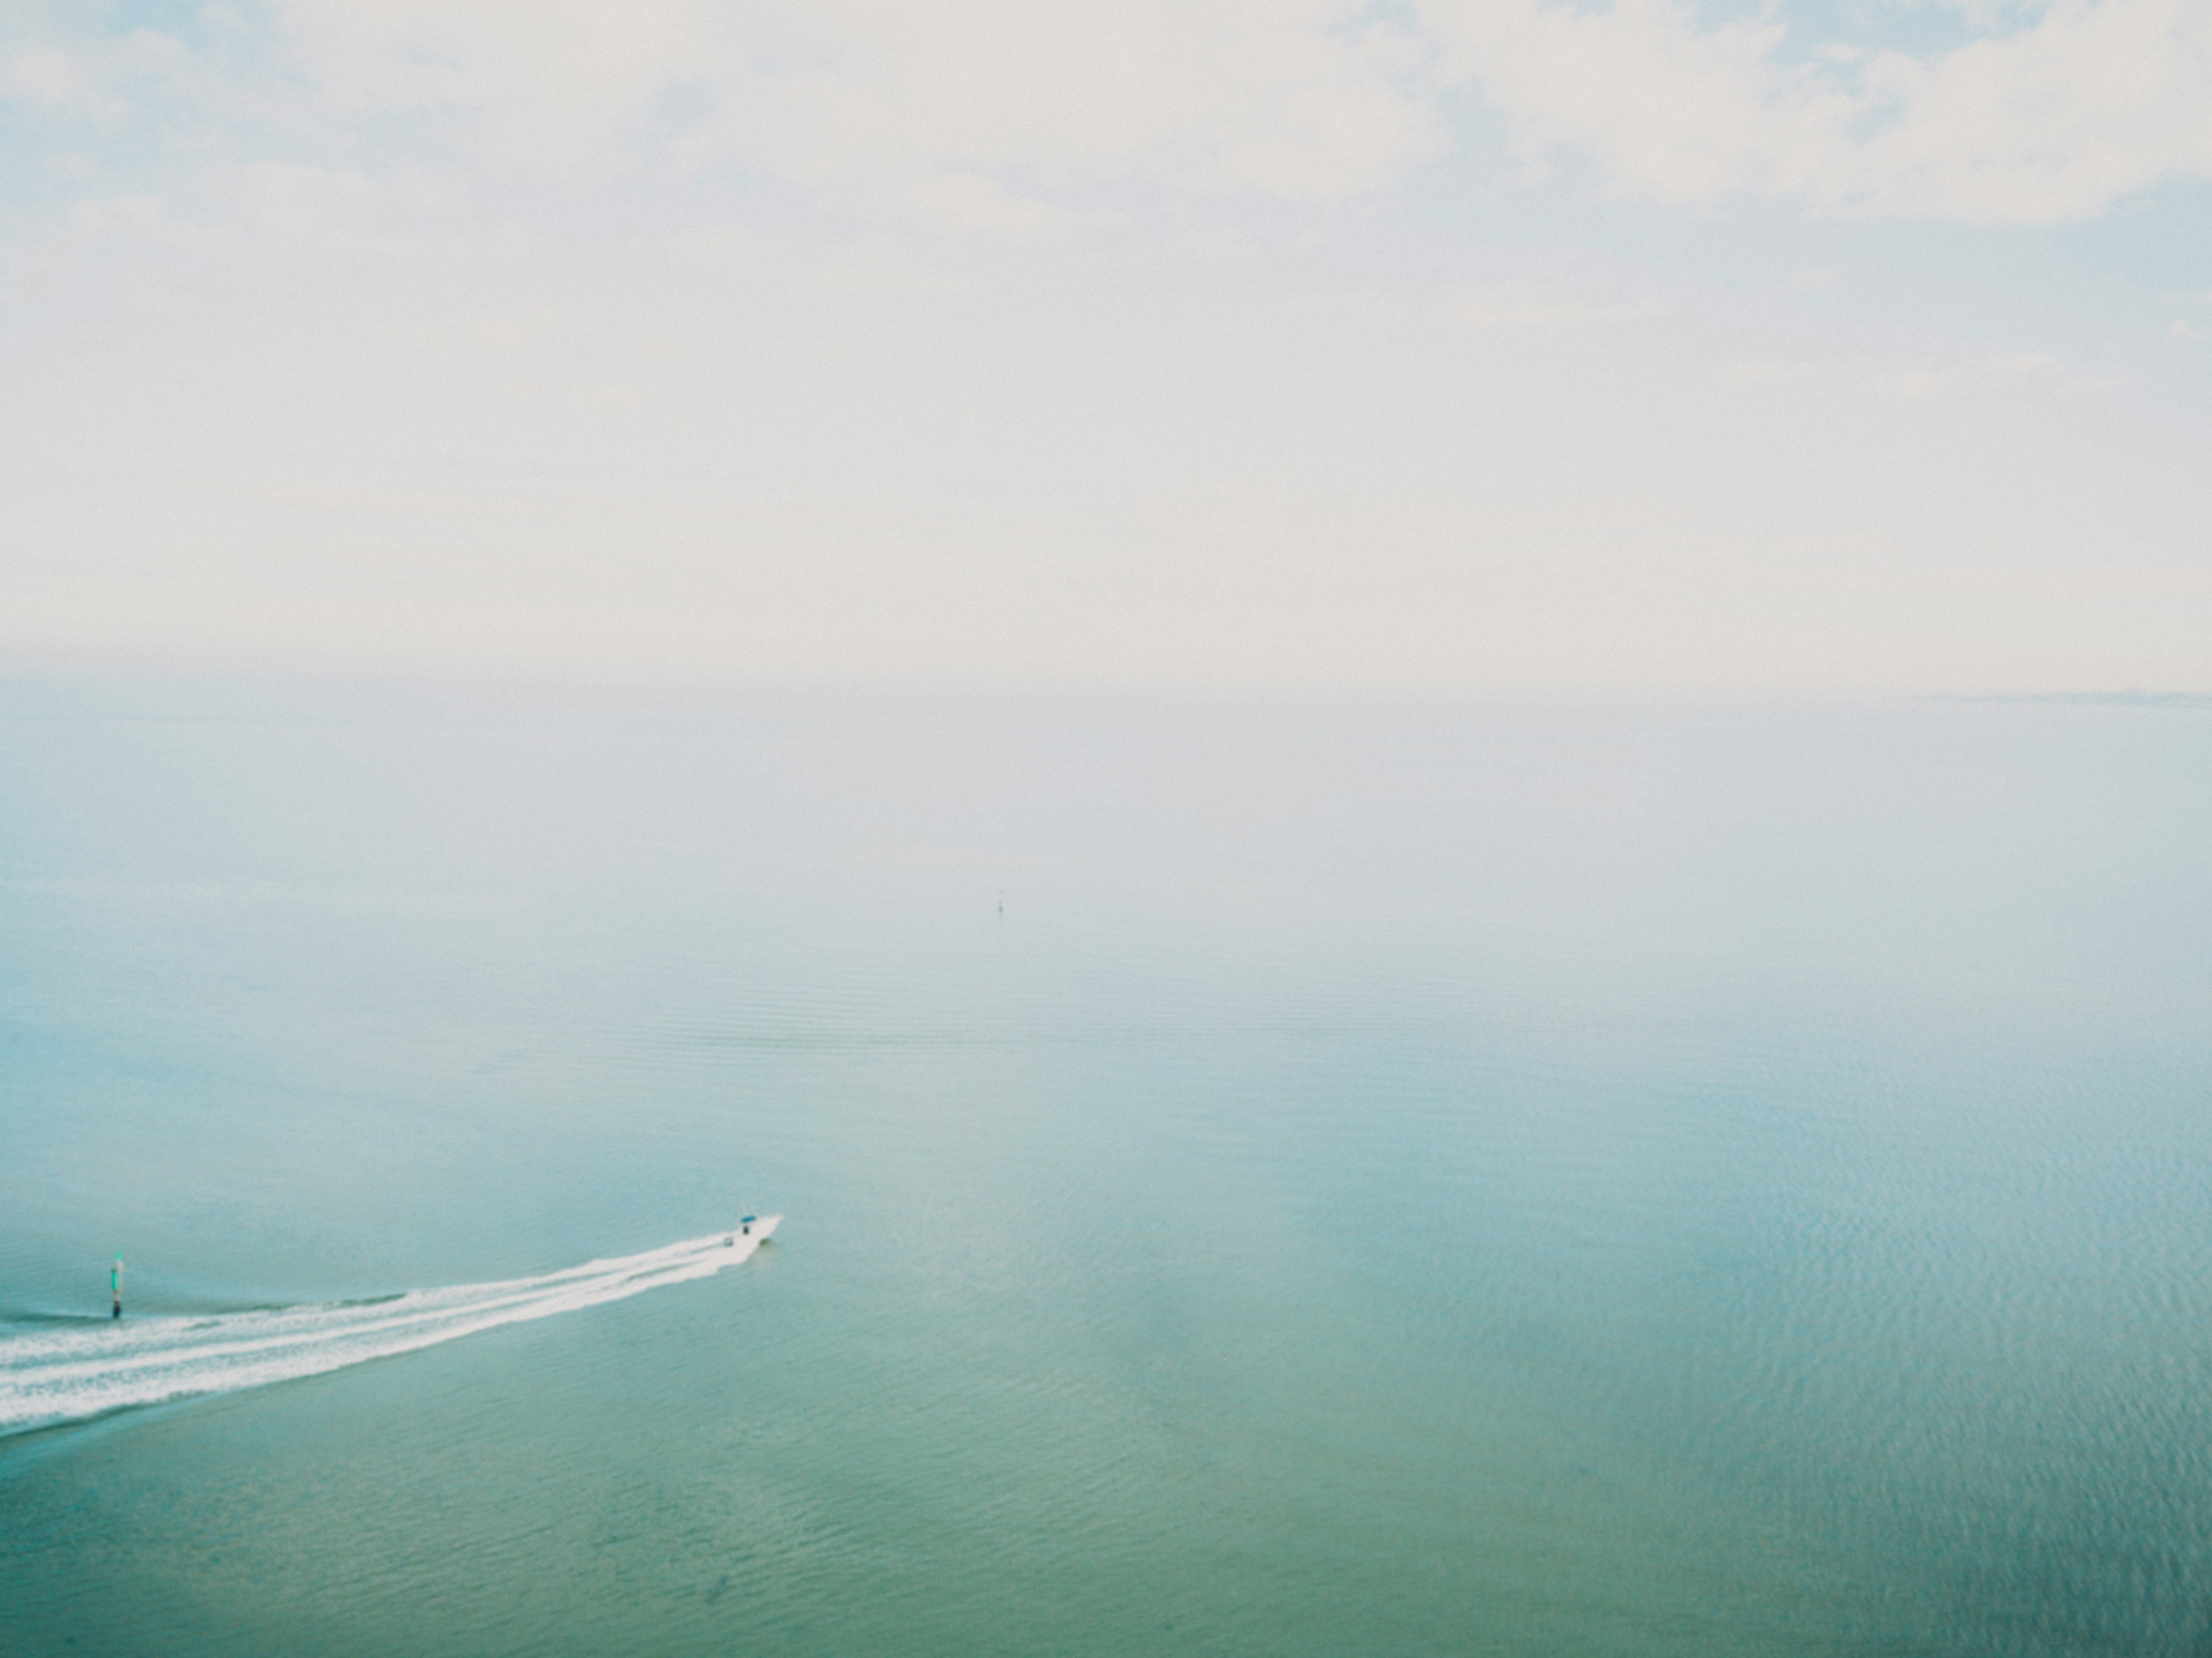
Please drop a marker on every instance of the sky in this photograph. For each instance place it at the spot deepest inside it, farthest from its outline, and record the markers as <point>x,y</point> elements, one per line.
<point>1443,345</point>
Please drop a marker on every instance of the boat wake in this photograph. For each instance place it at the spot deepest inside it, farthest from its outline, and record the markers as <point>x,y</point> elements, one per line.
<point>57,1376</point>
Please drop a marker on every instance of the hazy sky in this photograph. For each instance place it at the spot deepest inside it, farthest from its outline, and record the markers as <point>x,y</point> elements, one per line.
<point>1444,344</point>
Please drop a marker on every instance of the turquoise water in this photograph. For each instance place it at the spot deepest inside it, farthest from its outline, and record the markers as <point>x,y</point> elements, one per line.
<point>1262,1176</point>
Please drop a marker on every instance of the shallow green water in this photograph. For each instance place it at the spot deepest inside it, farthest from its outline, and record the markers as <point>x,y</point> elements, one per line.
<point>1395,1177</point>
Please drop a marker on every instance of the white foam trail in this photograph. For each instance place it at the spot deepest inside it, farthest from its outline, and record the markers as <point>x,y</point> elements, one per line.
<point>66,1376</point>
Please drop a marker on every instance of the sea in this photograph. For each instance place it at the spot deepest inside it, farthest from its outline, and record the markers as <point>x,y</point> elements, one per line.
<point>1269,1175</point>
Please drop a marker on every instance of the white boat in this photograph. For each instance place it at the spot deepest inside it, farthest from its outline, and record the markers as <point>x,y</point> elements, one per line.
<point>755,1227</point>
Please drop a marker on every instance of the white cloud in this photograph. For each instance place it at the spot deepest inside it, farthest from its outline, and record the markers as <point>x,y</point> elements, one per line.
<point>1305,99</point>
<point>1768,373</point>
<point>1524,304</point>
<point>1997,372</point>
<point>1135,432</point>
<point>969,203</point>
<point>1220,244</point>
<point>46,75</point>
<point>1354,303</point>
<point>729,244</point>
<point>2054,121</point>
<point>1298,99</point>
<point>2058,118</point>
<point>991,117</point>
<point>2189,333</point>
<point>1916,384</point>
<point>312,213</point>
<point>1984,13</point>
<point>252,230</point>
<point>112,216</point>
<point>1667,110</point>
<point>874,265</point>
<point>65,65</point>
<point>553,84</point>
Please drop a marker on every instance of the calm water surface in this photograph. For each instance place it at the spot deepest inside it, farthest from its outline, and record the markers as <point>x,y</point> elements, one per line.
<point>1266,1178</point>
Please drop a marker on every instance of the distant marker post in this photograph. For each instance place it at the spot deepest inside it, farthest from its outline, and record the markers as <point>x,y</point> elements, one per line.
<point>115,1283</point>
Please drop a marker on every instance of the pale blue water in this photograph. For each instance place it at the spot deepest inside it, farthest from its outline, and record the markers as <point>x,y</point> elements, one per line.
<point>1398,1177</point>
